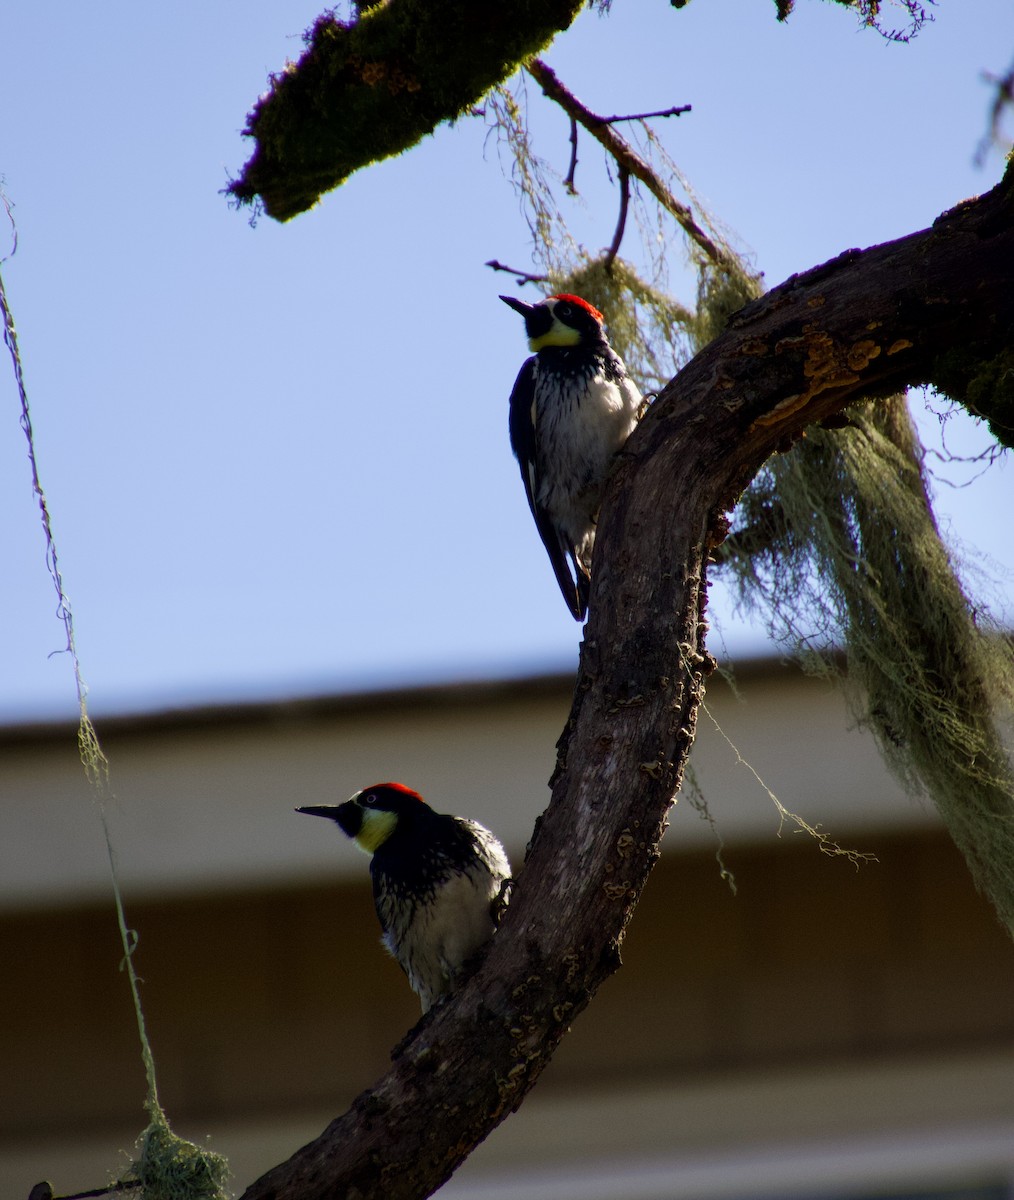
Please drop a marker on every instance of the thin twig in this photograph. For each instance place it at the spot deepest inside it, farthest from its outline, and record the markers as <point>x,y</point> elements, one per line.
<point>122,1185</point>
<point>626,156</point>
<point>676,111</point>
<point>522,277</point>
<point>8,208</point>
<point>568,183</point>
<point>1003,97</point>
<point>43,1191</point>
<point>622,221</point>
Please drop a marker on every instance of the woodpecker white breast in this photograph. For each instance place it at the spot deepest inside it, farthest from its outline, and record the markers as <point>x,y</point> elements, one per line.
<point>572,408</point>
<point>438,880</point>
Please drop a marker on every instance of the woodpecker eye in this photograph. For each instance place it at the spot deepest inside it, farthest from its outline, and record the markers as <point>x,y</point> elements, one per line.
<point>564,309</point>
<point>370,800</point>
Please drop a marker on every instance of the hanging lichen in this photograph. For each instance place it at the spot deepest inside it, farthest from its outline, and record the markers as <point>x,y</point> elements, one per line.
<point>838,543</point>
<point>171,1168</point>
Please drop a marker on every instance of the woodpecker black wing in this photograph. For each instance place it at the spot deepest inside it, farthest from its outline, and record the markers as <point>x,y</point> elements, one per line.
<point>522,427</point>
<point>522,436</point>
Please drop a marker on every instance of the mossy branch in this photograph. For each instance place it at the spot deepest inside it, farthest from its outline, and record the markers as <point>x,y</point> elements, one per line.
<point>370,88</point>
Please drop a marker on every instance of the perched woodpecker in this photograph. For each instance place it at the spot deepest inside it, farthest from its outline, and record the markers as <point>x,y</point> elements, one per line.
<point>572,408</point>
<point>439,881</point>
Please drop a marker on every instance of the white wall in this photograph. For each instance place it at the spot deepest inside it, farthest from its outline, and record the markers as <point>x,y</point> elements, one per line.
<point>205,800</point>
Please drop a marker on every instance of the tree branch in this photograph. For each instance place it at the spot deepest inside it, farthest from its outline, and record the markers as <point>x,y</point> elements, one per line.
<point>521,277</point>
<point>1003,99</point>
<point>627,157</point>
<point>677,110</point>
<point>367,89</point>
<point>621,220</point>
<point>866,323</point>
<point>568,182</point>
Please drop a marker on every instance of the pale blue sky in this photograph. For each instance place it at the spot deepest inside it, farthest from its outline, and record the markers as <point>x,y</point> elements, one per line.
<point>277,457</point>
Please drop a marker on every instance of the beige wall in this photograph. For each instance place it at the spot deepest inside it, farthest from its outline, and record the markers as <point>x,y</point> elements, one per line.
<point>822,1026</point>
<point>204,799</point>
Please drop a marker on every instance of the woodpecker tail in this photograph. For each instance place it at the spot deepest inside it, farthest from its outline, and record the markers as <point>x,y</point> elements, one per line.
<point>561,555</point>
<point>583,588</point>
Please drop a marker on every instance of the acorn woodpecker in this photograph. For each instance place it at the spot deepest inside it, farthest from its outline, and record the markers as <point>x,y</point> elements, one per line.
<point>572,408</point>
<point>439,882</point>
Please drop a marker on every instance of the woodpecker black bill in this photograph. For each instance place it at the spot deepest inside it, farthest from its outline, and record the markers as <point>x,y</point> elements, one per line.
<point>572,408</point>
<point>439,882</point>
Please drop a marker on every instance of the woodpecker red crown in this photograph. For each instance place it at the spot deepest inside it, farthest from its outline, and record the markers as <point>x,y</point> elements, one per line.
<point>398,787</point>
<point>584,304</point>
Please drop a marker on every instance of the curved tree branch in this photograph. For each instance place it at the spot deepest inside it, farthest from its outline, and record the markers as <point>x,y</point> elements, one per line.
<point>866,323</point>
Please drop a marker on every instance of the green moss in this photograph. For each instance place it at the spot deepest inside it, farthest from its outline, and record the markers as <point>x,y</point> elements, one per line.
<point>171,1168</point>
<point>652,331</point>
<point>368,89</point>
<point>985,386</point>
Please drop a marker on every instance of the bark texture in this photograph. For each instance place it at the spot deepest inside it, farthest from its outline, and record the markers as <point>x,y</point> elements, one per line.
<point>867,323</point>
